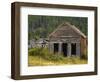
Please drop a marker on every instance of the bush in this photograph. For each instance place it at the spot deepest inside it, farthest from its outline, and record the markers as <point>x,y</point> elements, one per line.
<point>54,57</point>
<point>35,51</point>
<point>44,53</point>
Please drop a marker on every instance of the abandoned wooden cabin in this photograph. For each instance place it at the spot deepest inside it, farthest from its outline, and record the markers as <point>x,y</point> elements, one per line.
<point>68,40</point>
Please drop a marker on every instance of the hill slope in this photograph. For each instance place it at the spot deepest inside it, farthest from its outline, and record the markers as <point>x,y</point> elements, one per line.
<point>42,26</point>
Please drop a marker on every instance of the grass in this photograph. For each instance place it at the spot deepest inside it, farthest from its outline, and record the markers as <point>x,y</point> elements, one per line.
<point>42,57</point>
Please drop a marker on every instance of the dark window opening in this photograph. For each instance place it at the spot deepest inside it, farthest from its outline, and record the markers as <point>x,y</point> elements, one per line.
<point>64,49</point>
<point>56,47</point>
<point>73,48</point>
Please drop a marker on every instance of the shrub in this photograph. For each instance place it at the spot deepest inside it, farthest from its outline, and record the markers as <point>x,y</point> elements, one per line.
<point>54,57</point>
<point>35,51</point>
<point>44,53</point>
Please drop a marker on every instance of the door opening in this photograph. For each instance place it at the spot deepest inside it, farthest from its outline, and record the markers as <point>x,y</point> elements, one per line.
<point>56,47</point>
<point>73,48</point>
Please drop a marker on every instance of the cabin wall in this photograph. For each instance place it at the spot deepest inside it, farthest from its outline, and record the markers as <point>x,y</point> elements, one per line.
<point>83,46</point>
<point>69,41</point>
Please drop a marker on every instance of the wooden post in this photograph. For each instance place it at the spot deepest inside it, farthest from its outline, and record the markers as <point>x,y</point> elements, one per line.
<point>69,49</point>
<point>60,47</point>
<point>78,49</point>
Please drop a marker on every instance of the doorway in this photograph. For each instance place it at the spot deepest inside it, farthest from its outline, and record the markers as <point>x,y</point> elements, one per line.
<point>73,48</point>
<point>56,47</point>
<point>64,49</point>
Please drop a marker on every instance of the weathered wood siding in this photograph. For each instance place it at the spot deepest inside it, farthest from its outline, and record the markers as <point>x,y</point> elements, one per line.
<point>69,34</point>
<point>83,45</point>
<point>65,31</point>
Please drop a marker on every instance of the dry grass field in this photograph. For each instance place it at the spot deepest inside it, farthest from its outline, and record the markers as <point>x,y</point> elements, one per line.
<point>42,57</point>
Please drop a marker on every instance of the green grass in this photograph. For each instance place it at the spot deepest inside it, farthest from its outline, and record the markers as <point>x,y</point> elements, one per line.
<point>42,57</point>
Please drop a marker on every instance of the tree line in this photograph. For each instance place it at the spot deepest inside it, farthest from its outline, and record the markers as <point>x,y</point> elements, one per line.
<point>42,26</point>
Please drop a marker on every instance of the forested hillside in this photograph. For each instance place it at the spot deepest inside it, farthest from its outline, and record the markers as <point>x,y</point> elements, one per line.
<point>42,26</point>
